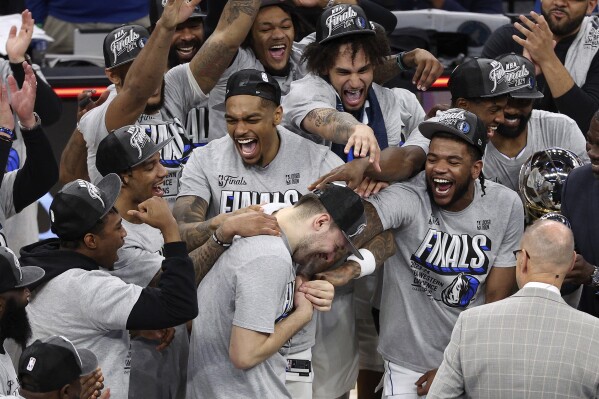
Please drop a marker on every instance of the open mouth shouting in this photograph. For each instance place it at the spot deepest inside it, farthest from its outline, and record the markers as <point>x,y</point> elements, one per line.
<point>353,98</point>
<point>278,52</point>
<point>248,147</point>
<point>441,187</point>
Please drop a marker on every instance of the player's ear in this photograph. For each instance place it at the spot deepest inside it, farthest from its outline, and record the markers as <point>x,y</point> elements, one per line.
<point>278,115</point>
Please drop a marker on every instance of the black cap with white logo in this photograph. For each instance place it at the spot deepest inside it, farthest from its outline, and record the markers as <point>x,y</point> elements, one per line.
<point>342,20</point>
<point>253,82</point>
<point>346,209</point>
<point>79,205</point>
<point>126,148</point>
<point>124,44</point>
<point>49,365</point>
<point>478,77</point>
<point>13,275</point>
<point>520,75</point>
<point>460,123</point>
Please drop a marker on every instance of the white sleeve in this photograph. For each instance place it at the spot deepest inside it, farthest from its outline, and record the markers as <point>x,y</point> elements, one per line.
<point>304,96</point>
<point>396,205</point>
<point>418,140</point>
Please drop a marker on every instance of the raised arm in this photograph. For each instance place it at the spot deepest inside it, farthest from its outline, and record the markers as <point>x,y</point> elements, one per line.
<point>146,73</point>
<point>217,53</point>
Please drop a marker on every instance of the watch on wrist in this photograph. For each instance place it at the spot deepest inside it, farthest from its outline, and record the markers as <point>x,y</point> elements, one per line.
<point>595,277</point>
<point>8,132</point>
<point>400,63</point>
<point>37,123</point>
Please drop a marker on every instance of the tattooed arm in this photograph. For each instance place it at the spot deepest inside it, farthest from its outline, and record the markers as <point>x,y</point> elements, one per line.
<point>382,247</point>
<point>190,213</point>
<point>343,128</point>
<point>381,244</point>
<point>246,224</point>
<point>146,72</point>
<point>218,51</point>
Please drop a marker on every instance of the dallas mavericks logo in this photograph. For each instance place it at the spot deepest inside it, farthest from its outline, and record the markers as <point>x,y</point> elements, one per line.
<point>138,139</point>
<point>463,127</point>
<point>461,291</point>
<point>496,75</point>
<point>93,191</point>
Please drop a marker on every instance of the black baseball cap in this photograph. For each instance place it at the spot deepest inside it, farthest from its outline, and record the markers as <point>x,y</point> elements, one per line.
<point>79,205</point>
<point>13,275</point>
<point>342,20</point>
<point>157,7</point>
<point>124,44</point>
<point>520,74</point>
<point>346,209</point>
<point>459,122</point>
<point>49,365</point>
<point>253,82</point>
<point>126,148</point>
<point>478,77</point>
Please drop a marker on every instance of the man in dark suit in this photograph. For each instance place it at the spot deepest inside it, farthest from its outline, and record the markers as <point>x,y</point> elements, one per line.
<point>531,343</point>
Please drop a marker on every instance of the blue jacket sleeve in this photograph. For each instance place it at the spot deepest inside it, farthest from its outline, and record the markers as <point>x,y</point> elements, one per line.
<point>39,9</point>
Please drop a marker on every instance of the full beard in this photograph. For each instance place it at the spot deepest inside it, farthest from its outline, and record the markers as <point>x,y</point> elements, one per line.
<point>513,132</point>
<point>15,323</point>
<point>564,30</point>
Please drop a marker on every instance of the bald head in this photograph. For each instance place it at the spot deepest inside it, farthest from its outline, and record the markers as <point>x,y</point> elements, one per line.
<point>550,248</point>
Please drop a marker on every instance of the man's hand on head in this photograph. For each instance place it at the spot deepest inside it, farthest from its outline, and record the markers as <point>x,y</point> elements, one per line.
<point>248,222</point>
<point>352,173</point>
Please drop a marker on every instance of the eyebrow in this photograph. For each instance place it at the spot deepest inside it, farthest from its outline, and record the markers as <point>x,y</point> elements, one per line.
<point>254,115</point>
<point>268,23</point>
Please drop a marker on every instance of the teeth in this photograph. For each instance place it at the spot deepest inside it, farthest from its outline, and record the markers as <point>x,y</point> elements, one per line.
<point>244,141</point>
<point>278,46</point>
<point>441,181</point>
<point>493,127</point>
<point>355,91</point>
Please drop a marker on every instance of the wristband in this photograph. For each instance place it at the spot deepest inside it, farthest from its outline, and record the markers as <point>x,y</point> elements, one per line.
<point>400,63</point>
<point>595,277</point>
<point>219,242</point>
<point>8,131</point>
<point>37,123</point>
<point>367,265</point>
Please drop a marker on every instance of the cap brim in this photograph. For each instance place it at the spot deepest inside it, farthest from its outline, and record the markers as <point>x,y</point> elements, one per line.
<point>501,93</point>
<point>350,33</point>
<point>428,129</point>
<point>111,186</point>
<point>352,247</point>
<point>157,148</point>
<point>89,361</point>
<point>31,274</point>
<point>534,95</point>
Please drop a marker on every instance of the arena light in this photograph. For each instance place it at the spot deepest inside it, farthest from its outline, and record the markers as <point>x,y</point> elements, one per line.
<point>73,92</point>
<point>440,83</point>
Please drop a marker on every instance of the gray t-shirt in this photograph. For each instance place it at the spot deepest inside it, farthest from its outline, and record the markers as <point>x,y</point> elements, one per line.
<point>181,94</point>
<point>91,309</point>
<point>441,265</point>
<point>217,173</point>
<point>545,130</point>
<point>400,108</point>
<point>246,59</point>
<point>9,384</point>
<point>249,289</point>
<point>7,205</point>
<point>140,257</point>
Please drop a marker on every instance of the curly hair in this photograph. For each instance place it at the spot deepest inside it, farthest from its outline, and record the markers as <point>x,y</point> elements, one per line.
<point>320,58</point>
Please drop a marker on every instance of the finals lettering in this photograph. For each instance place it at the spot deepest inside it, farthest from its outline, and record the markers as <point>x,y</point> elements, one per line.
<point>233,200</point>
<point>452,254</point>
<point>124,42</point>
<point>340,17</point>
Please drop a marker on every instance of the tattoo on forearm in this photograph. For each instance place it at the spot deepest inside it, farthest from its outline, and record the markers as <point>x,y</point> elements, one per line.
<point>341,123</point>
<point>208,66</point>
<point>374,225</point>
<point>382,247</point>
<point>236,8</point>
<point>190,213</point>
<point>204,258</point>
